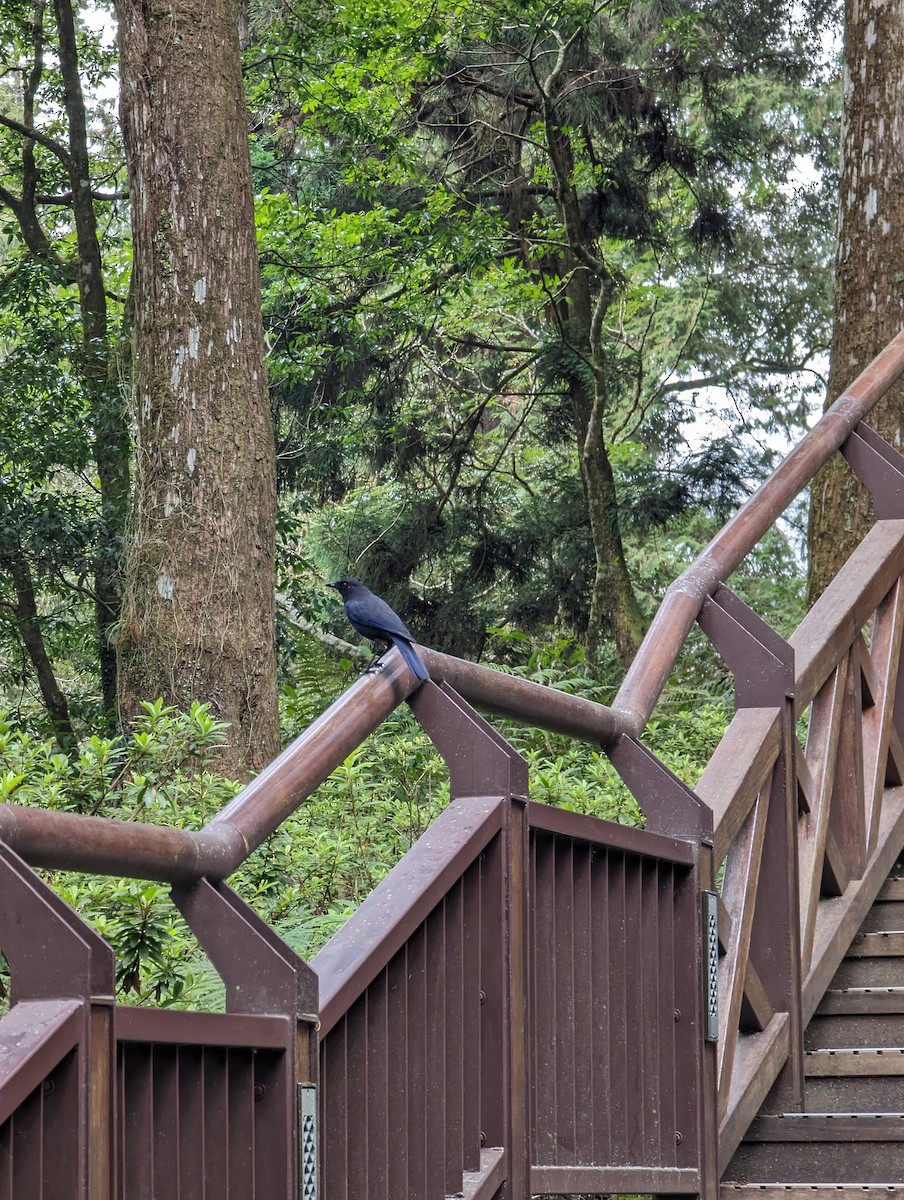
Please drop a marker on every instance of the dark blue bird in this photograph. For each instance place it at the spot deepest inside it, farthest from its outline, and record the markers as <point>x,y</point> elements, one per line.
<point>374,619</point>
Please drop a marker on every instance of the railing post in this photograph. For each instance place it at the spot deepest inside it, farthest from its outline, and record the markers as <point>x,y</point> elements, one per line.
<point>52,955</point>
<point>263,976</point>
<point>880,468</point>
<point>763,667</point>
<point>671,808</point>
<point>482,763</point>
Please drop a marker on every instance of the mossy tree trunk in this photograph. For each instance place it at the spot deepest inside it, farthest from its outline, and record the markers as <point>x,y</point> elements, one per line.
<point>869,264</point>
<point>198,618</point>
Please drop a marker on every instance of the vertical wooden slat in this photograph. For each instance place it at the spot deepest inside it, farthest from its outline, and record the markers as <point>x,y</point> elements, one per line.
<point>669,1012</point>
<point>618,1009</point>
<point>435,1048</point>
<point>545,1026</point>
<point>274,1145</point>
<point>494,1079</point>
<point>28,1147</point>
<point>137,1124</point>
<point>190,1099</point>
<point>167,1127</point>
<point>455,1036</point>
<point>6,1158</point>
<point>216,1122</point>
<point>600,1034</point>
<point>379,1100</point>
<point>397,1070</point>
<point>472,1010</point>
<point>240,1123</point>
<point>356,1092</point>
<point>655,993</point>
<point>584,985</point>
<point>418,1067</point>
<point>562,966</point>
<point>636,1003</point>
<point>334,1107</point>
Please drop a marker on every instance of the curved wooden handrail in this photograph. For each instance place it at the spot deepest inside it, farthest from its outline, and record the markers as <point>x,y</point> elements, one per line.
<point>647,675</point>
<point>68,840</point>
<point>109,846</point>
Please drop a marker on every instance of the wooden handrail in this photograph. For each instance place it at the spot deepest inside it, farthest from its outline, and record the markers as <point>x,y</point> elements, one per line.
<point>647,675</point>
<point>68,840</point>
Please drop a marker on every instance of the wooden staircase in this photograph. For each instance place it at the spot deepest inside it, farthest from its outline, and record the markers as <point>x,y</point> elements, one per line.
<point>850,1139</point>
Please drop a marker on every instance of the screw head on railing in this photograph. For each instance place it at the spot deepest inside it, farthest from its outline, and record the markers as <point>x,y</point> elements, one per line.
<point>677,1014</point>
<point>483,997</point>
<point>47,1086</point>
<point>678,1137</point>
<point>483,1139</point>
<point>259,1089</point>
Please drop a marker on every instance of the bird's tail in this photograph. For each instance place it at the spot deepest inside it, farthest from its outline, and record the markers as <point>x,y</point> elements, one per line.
<point>412,658</point>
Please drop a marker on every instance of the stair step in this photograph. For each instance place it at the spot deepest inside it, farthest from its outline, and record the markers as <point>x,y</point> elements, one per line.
<point>856,1031</point>
<point>892,889</point>
<point>887,944</point>
<point>855,1000</point>
<point>828,1127</point>
<point>866,1061</point>
<point>868,972</point>
<point>854,1093</point>
<point>812,1160</point>
<point>885,917</point>
<point>812,1191</point>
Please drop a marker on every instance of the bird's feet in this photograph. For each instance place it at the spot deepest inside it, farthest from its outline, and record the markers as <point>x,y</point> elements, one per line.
<point>374,667</point>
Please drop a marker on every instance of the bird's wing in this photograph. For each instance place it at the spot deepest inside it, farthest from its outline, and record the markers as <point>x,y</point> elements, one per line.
<point>375,613</point>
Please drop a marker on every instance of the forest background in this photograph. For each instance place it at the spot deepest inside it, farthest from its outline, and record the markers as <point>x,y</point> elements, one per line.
<point>543,293</point>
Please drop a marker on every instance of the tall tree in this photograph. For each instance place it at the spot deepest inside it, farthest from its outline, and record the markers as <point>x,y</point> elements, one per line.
<point>869,263</point>
<point>48,184</point>
<point>530,228</point>
<point>198,619</point>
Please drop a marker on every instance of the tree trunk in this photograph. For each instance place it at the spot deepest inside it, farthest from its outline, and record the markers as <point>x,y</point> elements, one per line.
<point>28,623</point>
<point>198,617</point>
<point>110,432</point>
<point>869,264</point>
<point>580,317</point>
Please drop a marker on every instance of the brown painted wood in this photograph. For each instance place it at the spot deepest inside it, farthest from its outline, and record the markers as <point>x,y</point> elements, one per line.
<point>837,923</point>
<point>34,1036</point>
<point>820,758</point>
<point>757,1010</point>
<point>880,667</point>
<point>737,771</point>
<point>845,607</point>
<point>486,1182</point>
<point>661,1180</point>
<point>739,894</point>
<point>757,1062</point>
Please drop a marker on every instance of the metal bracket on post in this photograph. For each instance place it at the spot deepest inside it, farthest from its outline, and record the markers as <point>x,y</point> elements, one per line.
<point>308,1178</point>
<point>880,468</point>
<point>762,662</point>
<point>711,966</point>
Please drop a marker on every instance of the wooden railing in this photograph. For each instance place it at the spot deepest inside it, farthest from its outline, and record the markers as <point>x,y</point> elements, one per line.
<point>521,1005</point>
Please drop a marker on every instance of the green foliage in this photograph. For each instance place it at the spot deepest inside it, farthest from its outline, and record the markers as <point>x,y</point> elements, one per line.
<point>418,252</point>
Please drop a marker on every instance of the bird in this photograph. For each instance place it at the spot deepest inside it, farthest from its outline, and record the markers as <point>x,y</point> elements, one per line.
<point>374,619</point>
